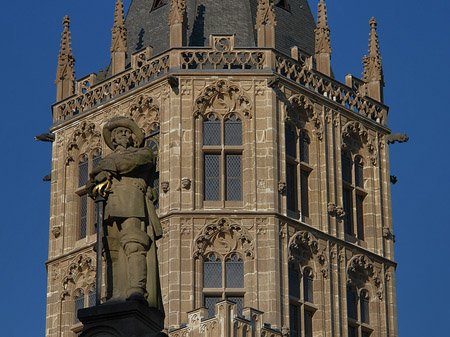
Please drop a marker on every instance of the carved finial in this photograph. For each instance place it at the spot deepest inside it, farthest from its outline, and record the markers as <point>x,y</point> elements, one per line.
<point>373,70</point>
<point>119,32</point>
<point>177,12</point>
<point>65,73</point>
<point>177,23</point>
<point>322,30</point>
<point>265,24</point>
<point>265,14</point>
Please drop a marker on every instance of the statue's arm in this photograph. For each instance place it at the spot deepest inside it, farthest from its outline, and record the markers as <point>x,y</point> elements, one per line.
<point>128,162</point>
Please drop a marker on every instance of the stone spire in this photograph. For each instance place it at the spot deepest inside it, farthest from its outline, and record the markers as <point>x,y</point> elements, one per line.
<point>265,24</point>
<point>177,23</point>
<point>323,44</point>
<point>373,69</point>
<point>65,73</point>
<point>119,40</point>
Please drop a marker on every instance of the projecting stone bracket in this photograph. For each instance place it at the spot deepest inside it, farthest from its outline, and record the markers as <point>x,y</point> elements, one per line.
<point>397,137</point>
<point>336,211</point>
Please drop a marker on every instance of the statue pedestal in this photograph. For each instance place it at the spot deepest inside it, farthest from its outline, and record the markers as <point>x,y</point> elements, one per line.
<point>124,319</point>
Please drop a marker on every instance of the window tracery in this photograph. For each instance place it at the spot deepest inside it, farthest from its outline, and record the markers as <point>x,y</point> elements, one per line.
<point>363,283</point>
<point>304,258</point>
<point>222,248</point>
<point>78,286</point>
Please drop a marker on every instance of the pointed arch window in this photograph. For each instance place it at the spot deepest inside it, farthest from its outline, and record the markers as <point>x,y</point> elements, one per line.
<point>297,170</point>
<point>222,154</point>
<point>353,195</point>
<point>78,303</point>
<point>223,278</point>
<point>92,296</point>
<point>86,206</point>
<point>301,301</point>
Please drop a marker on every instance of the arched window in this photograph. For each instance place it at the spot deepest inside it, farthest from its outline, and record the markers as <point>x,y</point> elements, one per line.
<point>86,207</point>
<point>308,289</point>
<point>304,147</point>
<point>92,296</point>
<point>83,170</point>
<point>301,298</point>
<point>352,303</point>
<point>234,271</point>
<point>297,170</point>
<point>78,303</point>
<point>223,278</point>
<point>353,195</point>
<point>212,272</point>
<point>222,150</point>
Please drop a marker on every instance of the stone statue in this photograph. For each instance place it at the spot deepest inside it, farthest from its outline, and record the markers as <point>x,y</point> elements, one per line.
<point>131,224</point>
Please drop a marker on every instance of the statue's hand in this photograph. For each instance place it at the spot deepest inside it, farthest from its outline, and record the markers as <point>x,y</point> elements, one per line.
<point>102,176</point>
<point>97,179</point>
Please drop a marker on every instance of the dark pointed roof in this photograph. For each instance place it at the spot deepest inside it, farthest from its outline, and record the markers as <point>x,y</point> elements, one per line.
<point>295,27</point>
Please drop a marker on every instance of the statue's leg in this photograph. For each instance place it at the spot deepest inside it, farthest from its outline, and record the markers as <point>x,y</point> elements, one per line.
<point>135,244</point>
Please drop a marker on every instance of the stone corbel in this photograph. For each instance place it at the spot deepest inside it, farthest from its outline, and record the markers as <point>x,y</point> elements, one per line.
<point>336,211</point>
<point>186,183</point>
<point>56,231</point>
<point>387,234</point>
<point>165,186</point>
<point>397,137</point>
<point>281,187</point>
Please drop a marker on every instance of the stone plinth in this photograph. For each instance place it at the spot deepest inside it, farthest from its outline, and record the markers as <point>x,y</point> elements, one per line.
<point>123,319</point>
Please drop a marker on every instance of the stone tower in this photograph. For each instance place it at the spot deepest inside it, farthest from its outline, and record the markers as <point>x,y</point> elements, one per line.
<point>274,183</point>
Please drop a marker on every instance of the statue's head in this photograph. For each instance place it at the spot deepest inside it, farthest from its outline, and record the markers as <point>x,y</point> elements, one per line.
<point>123,132</point>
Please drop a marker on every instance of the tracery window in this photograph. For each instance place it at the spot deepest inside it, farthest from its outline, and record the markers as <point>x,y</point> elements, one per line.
<point>223,278</point>
<point>297,170</point>
<point>353,195</point>
<point>358,312</point>
<point>222,152</point>
<point>301,301</point>
<point>87,207</point>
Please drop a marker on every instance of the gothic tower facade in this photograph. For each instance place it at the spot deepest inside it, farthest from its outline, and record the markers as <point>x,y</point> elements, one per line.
<point>273,177</point>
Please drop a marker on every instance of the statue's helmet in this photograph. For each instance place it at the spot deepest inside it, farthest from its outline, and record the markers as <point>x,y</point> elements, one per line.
<point>125,122</point>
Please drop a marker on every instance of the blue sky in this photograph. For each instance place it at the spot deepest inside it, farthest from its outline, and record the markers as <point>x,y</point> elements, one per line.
<point>415,46</point>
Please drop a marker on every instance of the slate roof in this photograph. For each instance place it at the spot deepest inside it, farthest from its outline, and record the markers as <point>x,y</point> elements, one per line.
<point>146,27</point>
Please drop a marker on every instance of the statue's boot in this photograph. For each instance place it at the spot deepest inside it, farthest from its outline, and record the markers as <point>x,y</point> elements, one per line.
<point>135,243</point>
<point>137,276</point>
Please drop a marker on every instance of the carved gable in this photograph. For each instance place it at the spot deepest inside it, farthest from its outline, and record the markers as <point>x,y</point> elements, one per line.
<point>223,237</point>
<point>224,98</point>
